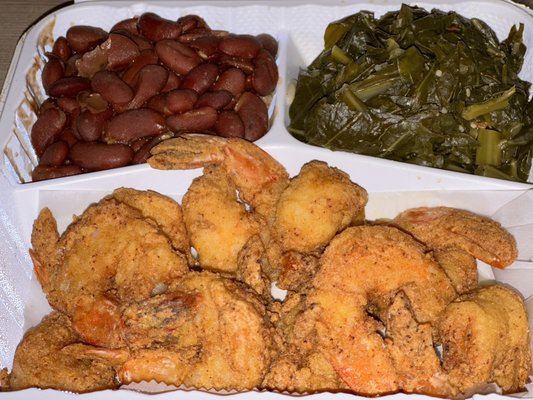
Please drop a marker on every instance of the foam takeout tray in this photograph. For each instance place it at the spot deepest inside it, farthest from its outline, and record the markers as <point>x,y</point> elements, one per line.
<point>299,28</point>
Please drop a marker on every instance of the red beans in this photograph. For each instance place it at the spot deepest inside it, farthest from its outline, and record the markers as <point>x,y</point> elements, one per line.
<point>114,95</point>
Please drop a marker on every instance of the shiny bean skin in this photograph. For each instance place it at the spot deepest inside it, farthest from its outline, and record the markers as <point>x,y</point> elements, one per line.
<point>96,156</point>
<point>206,46</point>
<point>61,49</point>
<point>128,25</point>
<point>200,78</point>
<point>151,79</point>
<point>173,82</point>
<point>146,57</point>
<point>111,87</point>
<point>52,71</point>
<point>229,124</point>
<point>82,38</point>
<point>176,56</point>
<point>180,100</point>
<point>55,154</point>
<point>121,52</point>
<point>90,126</point>
<point>47,128</point>
<point>265,75</point>
<point>191,22</point>
<point>218,99</point>
<point>241,46</point>
<point>244,64</point>
<point>71,69</point>
<point>134,124</point>
<point>68,86</point>
<point>197,120</point>
<point>254,115</point>
<point>156,28</point>
<point>233,80</point>
<point>68,104</point>
<point>268,43</point>
<point>44,172</point>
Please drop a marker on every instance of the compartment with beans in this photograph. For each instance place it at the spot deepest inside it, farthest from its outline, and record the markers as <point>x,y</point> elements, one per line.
<point>112,95</point>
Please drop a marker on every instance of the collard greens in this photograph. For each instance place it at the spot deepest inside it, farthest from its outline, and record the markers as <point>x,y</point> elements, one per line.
<point>430,88</point>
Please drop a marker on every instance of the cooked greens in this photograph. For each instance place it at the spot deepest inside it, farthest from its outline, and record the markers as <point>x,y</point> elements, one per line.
<point>430,88</point>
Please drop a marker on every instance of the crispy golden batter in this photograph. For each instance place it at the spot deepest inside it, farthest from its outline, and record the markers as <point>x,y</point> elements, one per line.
<point>40,360</point>
<point>444,227</point>
<point>360,273</point>
<point>219,225</point>
<point>109,255</point>
<point>485,338</point>
<point>299,365</point>
<point>459,266</point>
<point>318,203</point>
<point>208,332</point>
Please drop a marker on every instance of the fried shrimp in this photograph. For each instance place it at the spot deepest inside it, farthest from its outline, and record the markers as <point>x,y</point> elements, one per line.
<point>360,273</point>
<point>207,332</point>
<point>445,227</point>
<point>485,339</point>
<point>318,203</point>
<point>40,360</point>
<point>259,178</point>
<point>109,255</point>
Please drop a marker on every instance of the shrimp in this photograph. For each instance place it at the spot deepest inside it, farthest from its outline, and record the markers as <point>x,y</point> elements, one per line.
<point>110,255</point>
<point>485,338</point>
<point>42,361</point>
<point>318,203</point>
<point>361,272</point>
<point>259,178</point>
<point>206,332</point>
<point>445,227</point>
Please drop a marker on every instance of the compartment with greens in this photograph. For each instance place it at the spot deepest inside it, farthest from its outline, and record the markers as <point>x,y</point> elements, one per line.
<point>430,88</point>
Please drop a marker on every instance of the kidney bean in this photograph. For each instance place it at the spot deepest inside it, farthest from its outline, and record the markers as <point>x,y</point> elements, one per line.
<point>143,153</point>
<point>156,28</point>
<point>254,114</point>
<point>233,80</point>
<point>176,56</point>
<point>244,64</point>
<point>47,128</point>
<point>82,38</point>
<point>173,82</point>
<point>192,22</point>
<point>111,87</point>
<point>43,172</point>
<point>200,78</point>
<point>134,124</point>
<point>128,25</point>
<point>180,101</point>
<point>96,156</point>
<point>71,69</point>
<point>217,99</point>
<point>240,46</point>
<point>229,124</point>
<point>52,71</point>
<point>91,125</point>
<point>68,86</point>
<point>146,57</point>
<point>142,43</point>
<point>121,51</point>
<point>206,46</point>
<point>48,103</point>
<point>268,43</point>
<point>151,79</point>
<point>158,103</point>
<point>68,104</point>
<point>61,49</point>
<point>67,135</point>
<point>55,154</point>
<point>265,76</point>
<point>196,120</point>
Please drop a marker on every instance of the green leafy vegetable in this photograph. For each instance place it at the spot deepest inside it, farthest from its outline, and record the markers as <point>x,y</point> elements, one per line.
<point>430,88</point>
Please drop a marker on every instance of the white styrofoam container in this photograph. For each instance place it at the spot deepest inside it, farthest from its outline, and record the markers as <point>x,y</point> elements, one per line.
<point>299,27</point>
